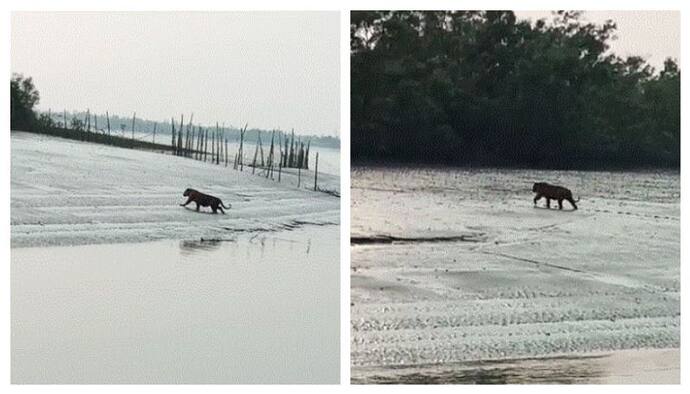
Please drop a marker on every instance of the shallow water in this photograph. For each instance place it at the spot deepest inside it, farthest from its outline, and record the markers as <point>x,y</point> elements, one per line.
<point>454,265</point>
<point>260,309</point>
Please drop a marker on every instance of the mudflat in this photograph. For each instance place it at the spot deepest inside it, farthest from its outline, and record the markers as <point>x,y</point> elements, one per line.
<point>454,266</point>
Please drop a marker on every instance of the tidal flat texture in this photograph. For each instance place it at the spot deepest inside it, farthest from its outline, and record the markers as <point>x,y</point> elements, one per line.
<point>458,266</point>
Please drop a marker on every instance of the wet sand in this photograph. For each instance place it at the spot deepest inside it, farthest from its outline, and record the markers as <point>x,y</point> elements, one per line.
<point>263,308</point>
<point>67,192</point>
<point>644,366</point>
<point>455,266</point>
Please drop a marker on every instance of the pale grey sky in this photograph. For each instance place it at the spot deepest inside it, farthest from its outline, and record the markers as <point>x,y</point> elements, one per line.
<point>270,69</point>
<point>654,35</point>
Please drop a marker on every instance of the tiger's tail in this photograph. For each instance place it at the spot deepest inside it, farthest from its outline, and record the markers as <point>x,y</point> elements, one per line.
<point>223,205</point>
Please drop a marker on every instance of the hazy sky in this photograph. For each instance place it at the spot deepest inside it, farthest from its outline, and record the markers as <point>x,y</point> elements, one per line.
<point>271,69</point>
<point>654,35</point>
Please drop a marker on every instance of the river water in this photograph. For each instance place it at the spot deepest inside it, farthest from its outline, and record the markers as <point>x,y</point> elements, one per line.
<point>263,308</point>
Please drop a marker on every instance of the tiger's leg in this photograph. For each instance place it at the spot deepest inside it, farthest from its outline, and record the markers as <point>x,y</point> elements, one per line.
<point>221,210</point>
<point>214,208</point>
<point>197,205</point>
<point>560,203</point>
<point>548,202</point>
<point>538,196</point>
<point>188,201</point>
<point>572,202</point>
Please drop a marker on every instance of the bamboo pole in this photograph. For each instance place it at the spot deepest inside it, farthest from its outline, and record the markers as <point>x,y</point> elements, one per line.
<point>292,150</point>
<point>270,154</point>
<point>179,135</point>
<point>226,152</point>
<point>134,117</point>
<point>217,150</point>
<point>285,151</point>
<point>256,152</point>
<point>299,176</point>
<point>154,132</point>
<point>280,144</point>
<point>188,142</point>
<point>107,118</point>
<point>201,143</point>
<point>316,171</point>
<point>185,143</point>
<point>195,142</point>
<point>195,139</point>
<point>241,154</point>
<point>172,124</point>
<point>197,155</point>
<point>298,153</point>
<point>191,143</point>
<point>213,147</point>
<point>205,144</point>
<point>261,148</point>
<point>222,146</point>
<point>306,156</point>
<point>64,117</point>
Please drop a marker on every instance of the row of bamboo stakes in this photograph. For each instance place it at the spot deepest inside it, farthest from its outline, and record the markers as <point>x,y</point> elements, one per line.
<point>193,142</point>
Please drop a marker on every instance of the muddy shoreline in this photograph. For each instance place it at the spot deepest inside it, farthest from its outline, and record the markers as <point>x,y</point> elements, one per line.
<point>532,284</point>
<point>641,366</point>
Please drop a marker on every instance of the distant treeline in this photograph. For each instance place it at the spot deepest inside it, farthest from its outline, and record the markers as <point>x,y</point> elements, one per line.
<point>482,88</point>
<point>23,116</point>
<point>123,125</point>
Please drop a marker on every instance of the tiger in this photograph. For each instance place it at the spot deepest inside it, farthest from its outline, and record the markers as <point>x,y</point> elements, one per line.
<point>204,200</point>
<point>553,192</point>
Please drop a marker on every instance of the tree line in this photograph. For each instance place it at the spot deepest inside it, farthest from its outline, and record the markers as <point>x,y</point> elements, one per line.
<point>484,88</point>
<point>24,116</point>
<point>121,122</point>
<point>187,139</point>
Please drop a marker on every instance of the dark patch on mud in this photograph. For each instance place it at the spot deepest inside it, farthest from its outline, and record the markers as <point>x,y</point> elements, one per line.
<point>240,230</point>
<point>291,225</point>
<point>549,370</point>
<point>390,239</point>
<point>535,262</point>
<point>301,223</point>
<point>555,208</point>
<point>306,222</point>
<point>203,244</point>
<point>333,193</point>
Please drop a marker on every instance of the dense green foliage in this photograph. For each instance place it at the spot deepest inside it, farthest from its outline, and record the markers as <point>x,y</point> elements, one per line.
<point>482,88</point>
<point>23,98</point>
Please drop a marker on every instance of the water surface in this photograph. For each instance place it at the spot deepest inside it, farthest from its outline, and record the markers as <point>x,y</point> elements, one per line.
<point>260,309</point>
